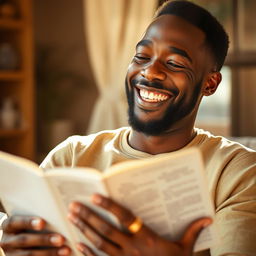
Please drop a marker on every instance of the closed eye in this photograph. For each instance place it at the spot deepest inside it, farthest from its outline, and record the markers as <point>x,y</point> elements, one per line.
<point>175,65</point>
<point>141,59</point>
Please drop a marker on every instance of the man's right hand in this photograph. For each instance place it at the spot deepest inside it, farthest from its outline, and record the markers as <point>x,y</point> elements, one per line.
<point>23,235</point>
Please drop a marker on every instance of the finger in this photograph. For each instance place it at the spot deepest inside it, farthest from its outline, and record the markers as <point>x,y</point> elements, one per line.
<point>99,242</point>
<point>97,223</point>
<point>85,249</point>
<point>16,224</point>
<point>25,240</point>
<point>193,231</point>
<point>124,215</point>
<point>64,251</point>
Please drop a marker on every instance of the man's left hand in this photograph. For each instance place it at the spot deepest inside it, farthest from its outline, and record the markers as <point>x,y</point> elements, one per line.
<point>114,242</point>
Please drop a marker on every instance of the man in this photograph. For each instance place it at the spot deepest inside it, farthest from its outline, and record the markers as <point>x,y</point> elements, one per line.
<point>177,62</point>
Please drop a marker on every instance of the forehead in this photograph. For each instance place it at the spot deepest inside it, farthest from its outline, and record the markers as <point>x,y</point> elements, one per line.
<point>175,31</point>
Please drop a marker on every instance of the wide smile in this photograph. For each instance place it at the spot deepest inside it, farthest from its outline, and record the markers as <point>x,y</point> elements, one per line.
<point>151,97</point>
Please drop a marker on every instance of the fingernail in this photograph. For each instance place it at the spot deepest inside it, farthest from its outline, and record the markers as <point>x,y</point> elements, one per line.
<point>72,218</point>
<point>63,251</point>
<point>36,224</point>
<point>82,248</point>
<point>207,223</point>
<point>97,199</point>
<point>74,207</point>
<point>56,240</point>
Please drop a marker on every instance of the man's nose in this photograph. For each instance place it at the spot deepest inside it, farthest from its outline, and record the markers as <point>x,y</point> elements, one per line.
<point>154,71</point>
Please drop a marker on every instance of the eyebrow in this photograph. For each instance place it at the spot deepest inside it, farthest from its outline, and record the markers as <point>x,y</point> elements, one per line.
<point>144,42</point>
<point>180,52</point>
<point>173,49</point>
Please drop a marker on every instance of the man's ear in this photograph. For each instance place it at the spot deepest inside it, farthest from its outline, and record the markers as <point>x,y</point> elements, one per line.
<point>211,84</point>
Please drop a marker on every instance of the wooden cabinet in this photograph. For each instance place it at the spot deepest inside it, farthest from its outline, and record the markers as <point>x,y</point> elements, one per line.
<point>16,83</point>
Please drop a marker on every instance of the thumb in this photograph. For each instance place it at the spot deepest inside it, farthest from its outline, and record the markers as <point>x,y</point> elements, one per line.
<point>191,234</point>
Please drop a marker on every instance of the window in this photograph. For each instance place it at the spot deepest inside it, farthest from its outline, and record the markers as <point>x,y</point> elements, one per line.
<point>232,110</point>
<point>214,111</point>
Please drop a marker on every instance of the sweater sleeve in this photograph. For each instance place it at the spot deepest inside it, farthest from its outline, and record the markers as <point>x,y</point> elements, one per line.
<point>60,156</point>
<point>236,211</point>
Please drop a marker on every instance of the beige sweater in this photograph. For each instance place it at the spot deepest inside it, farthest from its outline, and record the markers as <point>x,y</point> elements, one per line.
<point>230,168</point>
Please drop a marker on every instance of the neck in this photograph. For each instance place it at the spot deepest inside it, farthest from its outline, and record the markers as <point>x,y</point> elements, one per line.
<point>168,142</point>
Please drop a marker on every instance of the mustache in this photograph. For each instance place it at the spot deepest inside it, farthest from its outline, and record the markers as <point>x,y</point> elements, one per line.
<point>154,84</point>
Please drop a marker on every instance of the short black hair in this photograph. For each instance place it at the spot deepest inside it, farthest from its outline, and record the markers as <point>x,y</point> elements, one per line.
<point>216,37</point>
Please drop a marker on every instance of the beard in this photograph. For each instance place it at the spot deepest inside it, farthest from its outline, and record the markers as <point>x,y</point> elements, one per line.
<point>173,114</point>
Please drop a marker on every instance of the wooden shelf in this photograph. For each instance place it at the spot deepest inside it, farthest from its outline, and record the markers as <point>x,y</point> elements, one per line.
<point>10,133</point>
<point>11,75</point>
<point>18,84</point>
<point>6,24</point>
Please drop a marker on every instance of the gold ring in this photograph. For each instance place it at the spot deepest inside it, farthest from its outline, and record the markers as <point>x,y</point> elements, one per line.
<point>136,225</point>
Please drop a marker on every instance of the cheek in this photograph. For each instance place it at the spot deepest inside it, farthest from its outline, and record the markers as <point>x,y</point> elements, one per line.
<point>181,81</point>
<point>132,73</point>
<point>185,86</point>
<point>133,70</point>
<point>187,75</point>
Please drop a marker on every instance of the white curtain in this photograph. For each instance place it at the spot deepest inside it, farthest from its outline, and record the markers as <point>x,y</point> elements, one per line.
<point>113,27</point>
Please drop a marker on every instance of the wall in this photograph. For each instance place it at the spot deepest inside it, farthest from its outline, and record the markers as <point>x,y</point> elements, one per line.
<point>59,24</point>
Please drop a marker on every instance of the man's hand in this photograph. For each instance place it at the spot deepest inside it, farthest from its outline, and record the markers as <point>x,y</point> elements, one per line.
<point>114,242</point>
<point>23,235</point>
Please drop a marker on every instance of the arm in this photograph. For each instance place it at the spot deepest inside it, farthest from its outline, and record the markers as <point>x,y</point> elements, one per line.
<point>236,207</point>
<point>117,243</point>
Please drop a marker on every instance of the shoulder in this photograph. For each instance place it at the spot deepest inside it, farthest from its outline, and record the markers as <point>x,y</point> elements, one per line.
<point>227,162</point>
<point>222,147</point>
<point>230,166</point>
<point>231,172</point>
<point>64,153</point>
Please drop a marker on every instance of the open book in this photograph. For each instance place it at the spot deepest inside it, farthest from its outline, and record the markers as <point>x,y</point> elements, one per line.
<point>168,192</point>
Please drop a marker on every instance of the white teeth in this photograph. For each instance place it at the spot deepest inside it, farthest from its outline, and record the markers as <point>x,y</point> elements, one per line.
<point>143,93</point>
<point>152,96</point>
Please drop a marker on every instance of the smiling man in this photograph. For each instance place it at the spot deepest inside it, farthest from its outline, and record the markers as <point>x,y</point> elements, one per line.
<point>172,70</point>
<point>176,63</point>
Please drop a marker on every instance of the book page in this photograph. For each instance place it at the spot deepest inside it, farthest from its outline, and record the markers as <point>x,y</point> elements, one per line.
<point>25,191</point>
<point>78,184</point>
<point>168,194</point>
<point>3,216</point>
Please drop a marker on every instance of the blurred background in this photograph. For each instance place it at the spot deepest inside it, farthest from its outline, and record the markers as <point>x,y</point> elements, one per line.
<point>63,64</point>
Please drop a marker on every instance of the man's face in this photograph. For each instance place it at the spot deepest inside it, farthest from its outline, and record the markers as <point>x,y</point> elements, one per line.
<point>164,79</point>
